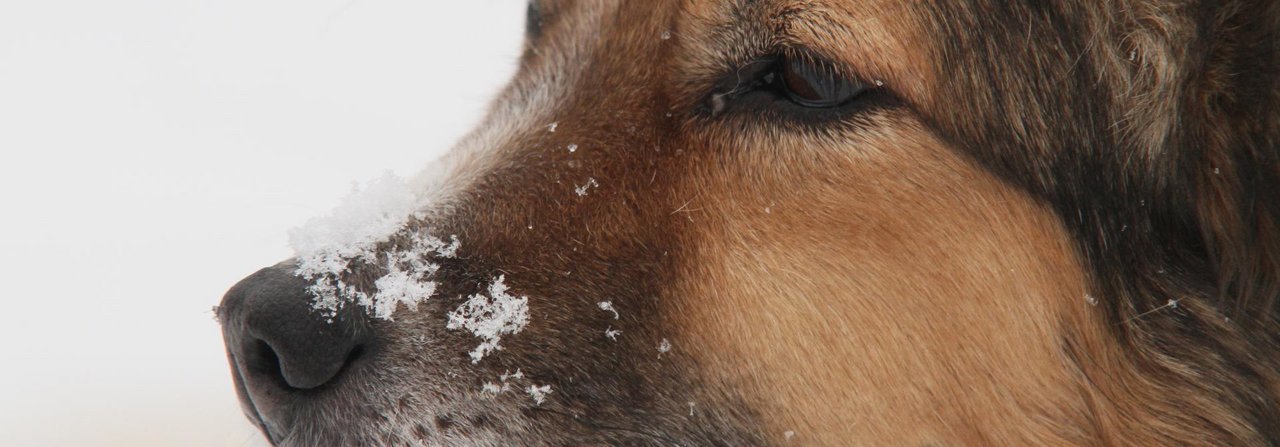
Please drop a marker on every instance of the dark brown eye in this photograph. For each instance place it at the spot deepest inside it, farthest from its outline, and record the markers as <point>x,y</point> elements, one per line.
<point>815,84</point>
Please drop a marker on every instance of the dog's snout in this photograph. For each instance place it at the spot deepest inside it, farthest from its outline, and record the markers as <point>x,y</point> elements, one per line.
<point>275,335</point>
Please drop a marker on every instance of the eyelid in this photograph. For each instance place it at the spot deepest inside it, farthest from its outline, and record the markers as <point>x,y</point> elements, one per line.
<point>774,53</point>
<point>816,57</point>
<point>738,77</point>
<point>765,105</point>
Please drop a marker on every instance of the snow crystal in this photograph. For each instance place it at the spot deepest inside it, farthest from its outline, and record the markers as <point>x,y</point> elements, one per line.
<point>612,333</point>
<point>552,127</point>
<point>879,83</point>
<point>328,246</point>
<point>450,250</point>
<point>666,35</point>
<point>490,317</point>
<point>407,278</point>
<point>691,405</point>
<point>539,393</point>
<point>664,347</point>
<point>401,287</point>
<point>789,434</point>
<point>608,306</point>
<point>1090,299</point>
<point>496,389</point>
<point>510,375</point>
<point>582,190</point>
<point>492,388</point>
<point>572,148</point>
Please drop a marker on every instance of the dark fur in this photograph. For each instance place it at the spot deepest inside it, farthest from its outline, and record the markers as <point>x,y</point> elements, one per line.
<point>1197,222</point>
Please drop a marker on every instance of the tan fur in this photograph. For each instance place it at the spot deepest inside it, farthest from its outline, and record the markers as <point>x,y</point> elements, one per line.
<point>859,294</point>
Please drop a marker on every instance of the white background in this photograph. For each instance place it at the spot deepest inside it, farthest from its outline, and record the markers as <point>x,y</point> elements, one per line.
<point>153,152</point>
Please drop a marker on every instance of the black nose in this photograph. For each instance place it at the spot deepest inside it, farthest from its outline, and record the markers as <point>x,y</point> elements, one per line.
<point>274,334</point>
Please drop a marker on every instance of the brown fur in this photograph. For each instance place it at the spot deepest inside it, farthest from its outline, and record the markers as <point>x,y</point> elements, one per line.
<point>866,308</point>
<point>987,256</point>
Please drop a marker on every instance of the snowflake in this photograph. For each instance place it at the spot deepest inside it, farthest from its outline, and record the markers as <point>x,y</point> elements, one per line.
<point>582,190</point>
<point>512,375</point>
<point>490,317</point>
<point>505,379</point>
<point>492,388</point>
<point>608,306</point>
<point>539,393</point>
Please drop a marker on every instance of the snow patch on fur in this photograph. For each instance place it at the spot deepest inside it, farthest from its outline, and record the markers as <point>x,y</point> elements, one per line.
<point>539,393</point>
<point>491,316</point>
<point>328,247</point>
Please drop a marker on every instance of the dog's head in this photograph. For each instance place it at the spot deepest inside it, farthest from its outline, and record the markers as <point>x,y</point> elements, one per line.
<point>828,222</point>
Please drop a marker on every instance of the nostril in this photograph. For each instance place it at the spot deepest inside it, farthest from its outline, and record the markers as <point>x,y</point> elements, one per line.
<point>262,361</point>
<point>356,353</point>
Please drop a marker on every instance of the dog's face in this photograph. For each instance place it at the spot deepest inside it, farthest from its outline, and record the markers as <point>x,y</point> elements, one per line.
<point>746,223</point>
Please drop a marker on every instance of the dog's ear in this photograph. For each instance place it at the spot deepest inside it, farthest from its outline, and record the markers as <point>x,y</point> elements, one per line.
<point>1229,148</point>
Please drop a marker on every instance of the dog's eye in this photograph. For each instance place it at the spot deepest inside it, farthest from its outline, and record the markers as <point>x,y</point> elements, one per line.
<point>533,21</point>
<point>796,87</point>
<point>814,84</point>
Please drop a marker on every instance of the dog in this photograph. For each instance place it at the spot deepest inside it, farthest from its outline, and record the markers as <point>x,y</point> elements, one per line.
<point>812,222</point>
